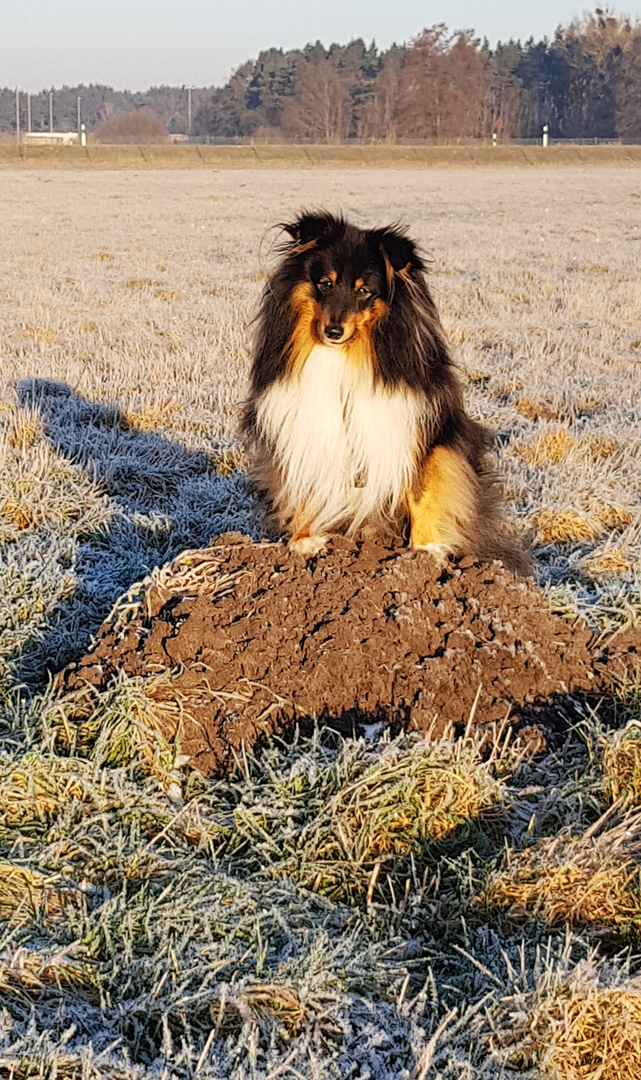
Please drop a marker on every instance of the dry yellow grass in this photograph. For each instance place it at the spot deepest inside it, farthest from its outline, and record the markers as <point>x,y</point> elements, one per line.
<point>37,485</point>
<point>535,410</point>
<point>607,564</point>
<point>476,377</point>
<point>564,526</point>
<point>592,1038</point>
<point>153,417</point>
<point>396,810</point>
<point>41,334</point>
<point>32,792</point>
<point>612,517</point>
<point>459,334</point>
<point>579,1032</point>
<point>32,971</point>
<point>582,881</point>
<point>257,156</point>
<point>29,896</point>
<point>621,763</point>
<point>601,446</point>
<point>25,428</point>
<point>389,810</point>
<point>255,1002</point>
<point>120,724</point>
<point>549,448</point>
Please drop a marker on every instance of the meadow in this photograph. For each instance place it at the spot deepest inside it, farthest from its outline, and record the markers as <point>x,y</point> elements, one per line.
<point>149,925</point>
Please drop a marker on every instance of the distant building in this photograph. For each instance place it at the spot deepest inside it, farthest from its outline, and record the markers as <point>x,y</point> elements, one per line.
<point>51,138</point>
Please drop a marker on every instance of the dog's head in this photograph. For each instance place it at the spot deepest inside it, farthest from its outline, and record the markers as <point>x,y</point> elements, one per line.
<point>346,277</point>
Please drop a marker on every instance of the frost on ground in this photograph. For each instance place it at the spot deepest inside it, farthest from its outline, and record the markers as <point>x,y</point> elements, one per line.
<point>153,925</point>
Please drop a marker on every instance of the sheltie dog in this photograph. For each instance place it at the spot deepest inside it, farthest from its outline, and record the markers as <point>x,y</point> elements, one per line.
<point>355,418</point>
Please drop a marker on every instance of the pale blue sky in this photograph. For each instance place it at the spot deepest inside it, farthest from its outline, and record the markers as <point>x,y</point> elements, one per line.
<point>137,43</point>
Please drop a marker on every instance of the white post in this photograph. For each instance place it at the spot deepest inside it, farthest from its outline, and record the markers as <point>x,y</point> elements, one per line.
<point>495,139</point>
<point>83,135</point>
<point>545,141</point>
<point>17,116</point>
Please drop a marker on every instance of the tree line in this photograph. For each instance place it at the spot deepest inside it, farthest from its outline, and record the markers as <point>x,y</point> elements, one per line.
<point>444,85</point>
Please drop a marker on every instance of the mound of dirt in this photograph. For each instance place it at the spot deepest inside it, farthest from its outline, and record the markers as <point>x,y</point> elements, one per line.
<point>257,638</point>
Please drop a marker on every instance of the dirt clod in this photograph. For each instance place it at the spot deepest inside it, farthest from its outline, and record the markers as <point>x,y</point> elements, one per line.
<point>258,638</point>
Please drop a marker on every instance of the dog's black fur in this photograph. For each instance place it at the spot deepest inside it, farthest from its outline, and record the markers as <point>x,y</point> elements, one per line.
<point>406,345</point>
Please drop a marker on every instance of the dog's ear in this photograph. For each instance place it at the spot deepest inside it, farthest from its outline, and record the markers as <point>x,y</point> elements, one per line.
<point>309,229</point>
<point>400,254</point>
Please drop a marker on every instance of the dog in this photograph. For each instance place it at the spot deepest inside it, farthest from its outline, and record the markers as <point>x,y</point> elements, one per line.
<point>355,420</point>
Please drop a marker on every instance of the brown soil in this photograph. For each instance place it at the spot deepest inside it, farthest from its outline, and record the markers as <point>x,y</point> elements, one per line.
<point>258,638</point>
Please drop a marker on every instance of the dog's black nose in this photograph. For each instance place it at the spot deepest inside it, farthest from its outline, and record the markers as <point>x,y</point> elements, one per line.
<point>334,332</point>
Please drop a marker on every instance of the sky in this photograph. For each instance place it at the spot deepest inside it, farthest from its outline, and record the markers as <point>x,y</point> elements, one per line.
<point>134,44</point>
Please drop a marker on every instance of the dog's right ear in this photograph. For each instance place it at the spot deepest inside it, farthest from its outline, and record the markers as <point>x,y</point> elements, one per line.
<point>308,230</point>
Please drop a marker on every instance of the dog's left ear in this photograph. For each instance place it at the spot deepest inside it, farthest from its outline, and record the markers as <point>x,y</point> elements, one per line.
<point>309,229</point>
<point>399,252</point>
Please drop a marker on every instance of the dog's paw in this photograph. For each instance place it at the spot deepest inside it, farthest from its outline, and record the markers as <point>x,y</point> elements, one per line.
<point>438,552</point>
<point>308,545</point>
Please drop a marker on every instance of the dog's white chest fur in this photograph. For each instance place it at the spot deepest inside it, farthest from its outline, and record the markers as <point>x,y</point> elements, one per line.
<point>345,449</point>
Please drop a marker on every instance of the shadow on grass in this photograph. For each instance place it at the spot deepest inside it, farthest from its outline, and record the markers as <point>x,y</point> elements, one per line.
<point>163,498</point>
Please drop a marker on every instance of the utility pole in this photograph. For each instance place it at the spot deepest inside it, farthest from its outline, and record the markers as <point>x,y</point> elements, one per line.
<point>189,110</point>
<point>78,113</point>
<point>17,116</point>
<point>28,112</point>
<point>51,110</point>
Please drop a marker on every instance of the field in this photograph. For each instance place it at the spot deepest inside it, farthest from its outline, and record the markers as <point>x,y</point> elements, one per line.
<point>97,156</point>
<point>149,923</point>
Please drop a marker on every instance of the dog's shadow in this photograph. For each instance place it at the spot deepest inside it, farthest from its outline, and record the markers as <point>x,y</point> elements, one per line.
<point>162,497</point>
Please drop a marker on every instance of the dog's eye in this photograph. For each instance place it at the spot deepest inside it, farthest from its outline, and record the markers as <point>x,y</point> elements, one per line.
<point>363,291</point>
<point>325,284</point>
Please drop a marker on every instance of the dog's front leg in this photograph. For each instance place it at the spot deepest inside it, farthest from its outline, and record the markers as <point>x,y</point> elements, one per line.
<point>444,508</point>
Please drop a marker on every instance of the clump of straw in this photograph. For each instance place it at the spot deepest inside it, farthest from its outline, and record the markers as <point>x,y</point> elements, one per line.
<point>33,790</point>
<point>621,764</point>
<point>564,526</point>
<point>262,1004</point>
<point>24,971</point>
<point>28,896</point>
<point>606,564</point>
<point>361,820</point>
<point>126,723</point>
<point>577,881</point>
<point>549,448</point>
<point>580,1030</point>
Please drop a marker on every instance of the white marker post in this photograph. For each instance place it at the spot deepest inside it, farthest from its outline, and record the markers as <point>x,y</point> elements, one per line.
<point>495,139</point>
<point>545,141</point>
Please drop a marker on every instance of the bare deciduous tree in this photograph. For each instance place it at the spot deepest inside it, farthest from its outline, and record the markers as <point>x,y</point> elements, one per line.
<point>380,117</point>
<point>504,99</point>
<point>441,87</point>
<point>138,126</point>
<point>317,110</point>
